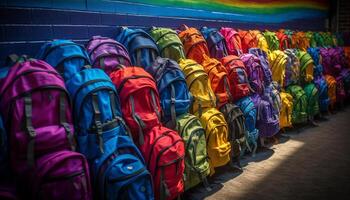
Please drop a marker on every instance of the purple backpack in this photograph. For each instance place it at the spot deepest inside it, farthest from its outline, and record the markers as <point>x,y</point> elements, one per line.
<point>58,175</point>
<point>31,90</point>
<point>267,120</point>
<point>36,109</point>
<point>216,42</point>
<point>255,72</point>
<point>264,63</point>
<point>107,54</point>
<point>331,61</point>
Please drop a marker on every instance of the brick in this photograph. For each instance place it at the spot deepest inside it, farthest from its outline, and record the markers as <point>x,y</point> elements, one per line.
<point>85,18</point>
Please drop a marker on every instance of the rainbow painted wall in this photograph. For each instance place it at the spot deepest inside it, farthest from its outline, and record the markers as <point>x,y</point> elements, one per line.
<point>267,11</point>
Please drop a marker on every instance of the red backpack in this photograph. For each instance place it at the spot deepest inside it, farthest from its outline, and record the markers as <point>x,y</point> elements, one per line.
<point>139,98</point>
<point>237,76</point>
<point>283,39</point>
<point>164,152</point>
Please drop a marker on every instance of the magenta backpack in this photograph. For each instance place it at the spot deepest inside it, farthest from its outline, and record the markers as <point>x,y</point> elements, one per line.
<point>58,175</point>
<point>255,72</point>
<point>233,41</point>
<point>36,109</point>
<point>107,54</point>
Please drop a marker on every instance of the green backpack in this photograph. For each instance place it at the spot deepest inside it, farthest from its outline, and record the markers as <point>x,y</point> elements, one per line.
<point>299,114</point>
<point>168,43</point>
<point>312,97</point>
<point>272,40</point>
<point>196,159</point>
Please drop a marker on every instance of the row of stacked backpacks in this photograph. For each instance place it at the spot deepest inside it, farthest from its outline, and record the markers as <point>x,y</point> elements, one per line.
<point>152,113</point>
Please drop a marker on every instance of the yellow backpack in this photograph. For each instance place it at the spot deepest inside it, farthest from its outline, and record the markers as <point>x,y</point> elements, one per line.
<point>261,40</point>
<point>216,132</point>
<point>278,61</point>
<point>199,85</point>
<point>286,110</point>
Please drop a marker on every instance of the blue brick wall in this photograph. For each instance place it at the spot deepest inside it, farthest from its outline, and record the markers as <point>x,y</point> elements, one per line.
<point>23,29</point>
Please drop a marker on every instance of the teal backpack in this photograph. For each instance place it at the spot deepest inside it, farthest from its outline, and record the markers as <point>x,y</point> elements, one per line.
<point>299,113</point>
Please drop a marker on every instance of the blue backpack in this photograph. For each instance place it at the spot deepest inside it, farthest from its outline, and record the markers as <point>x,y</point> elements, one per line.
<point>65,56</point>
<point>175,98</point>
<point>249,111</point>
<point>216,42</point>
<point>264,63</point>
<point>117,166</point>
<point>141,47</point>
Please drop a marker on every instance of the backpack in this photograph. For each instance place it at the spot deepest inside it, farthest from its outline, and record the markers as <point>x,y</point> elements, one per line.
<point>199,85</point>
<point>216,42</point>
<point>312,41</point>
<point>255,72</point>
<point>286,110</point>
<point>330,61</point>
<point>219,81</point>
<point>175,97</point>
<point>332,89</point>
<point>292,71</point>
<point>267,121</point>
<point>139,98</point>
<point>345,74</point>
<point>278,61</point>
<point>196,159</point>
<point>248,40</point>
<point>121,173</point>
<point>264,63</point>
<point>261,40</point>
<point>8,190</point>
<point>169,44</point>
<point>56,175</point>
<point>299,114</point>
<point>250,115</point>
<point>272,94</point>
<point>312,96</point>
<point>141,47</point>
<point>284,41</point>
<point>216,131</point>
<point>237,131</point>
<point>341,94</point>
<point>194,43</point>
<point>237,76</point>
<point>272,40</point>
<point>233,41</point>
<point>107,54</point>
<point>96,111</point>
<point>65,56</point>
<point>164,153</point>
<point>322,88</point>
<point>37,84</point>
<point>306,66</point>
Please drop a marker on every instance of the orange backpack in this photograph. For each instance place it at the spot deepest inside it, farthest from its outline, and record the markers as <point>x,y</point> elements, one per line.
<point>219,81</point>
<point>332,89</point>
<point>248,40</point>
<point>194,43</point>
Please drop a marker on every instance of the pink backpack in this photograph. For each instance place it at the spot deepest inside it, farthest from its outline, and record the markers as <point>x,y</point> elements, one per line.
<point>233,41</point>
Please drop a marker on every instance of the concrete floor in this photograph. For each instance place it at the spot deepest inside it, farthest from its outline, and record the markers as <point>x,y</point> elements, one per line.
<point>309,163</point>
